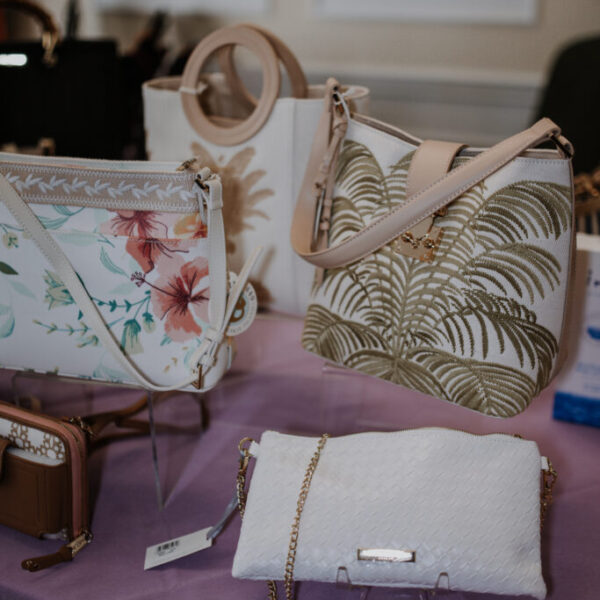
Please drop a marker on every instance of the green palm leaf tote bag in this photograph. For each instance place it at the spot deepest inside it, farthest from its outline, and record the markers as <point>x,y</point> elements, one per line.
<point>443,268</point>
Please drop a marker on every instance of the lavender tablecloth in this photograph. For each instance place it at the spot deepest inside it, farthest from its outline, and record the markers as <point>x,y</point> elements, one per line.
<point>274,385</point>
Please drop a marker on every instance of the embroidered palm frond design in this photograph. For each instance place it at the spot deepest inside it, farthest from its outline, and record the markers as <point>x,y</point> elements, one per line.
<point>241,200</point>
<point>445,328</point>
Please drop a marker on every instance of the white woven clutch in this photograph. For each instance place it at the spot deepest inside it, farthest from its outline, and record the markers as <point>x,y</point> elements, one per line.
<point>419,508</point>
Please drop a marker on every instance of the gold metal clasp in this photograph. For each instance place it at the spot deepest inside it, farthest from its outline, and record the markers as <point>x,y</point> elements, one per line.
<point>421,242</point>
<point>79,543</point>
<point>199,383</point>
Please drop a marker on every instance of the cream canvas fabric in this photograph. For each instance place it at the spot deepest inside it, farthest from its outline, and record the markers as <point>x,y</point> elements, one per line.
<point>262,177</point>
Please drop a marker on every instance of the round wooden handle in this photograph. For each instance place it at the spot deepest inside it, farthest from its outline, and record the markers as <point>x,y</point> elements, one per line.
<point>227,37</point>
<point>295,73</point>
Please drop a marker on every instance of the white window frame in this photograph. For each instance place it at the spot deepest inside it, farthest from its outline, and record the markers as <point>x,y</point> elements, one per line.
<point>514,12</point>
<point>209,7</point>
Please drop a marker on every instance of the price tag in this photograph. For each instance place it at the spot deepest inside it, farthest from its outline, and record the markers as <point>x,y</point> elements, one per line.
<point>171,550</point>
<point>176,548</point>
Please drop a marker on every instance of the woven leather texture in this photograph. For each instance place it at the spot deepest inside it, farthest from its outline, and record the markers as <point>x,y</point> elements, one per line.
<point>467,505</point>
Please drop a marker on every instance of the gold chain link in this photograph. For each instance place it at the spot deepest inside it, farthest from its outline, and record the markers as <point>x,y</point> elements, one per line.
<point>549,478</point>
<point>291,557</point>
<point>241,500</point>
<point>240,482</point>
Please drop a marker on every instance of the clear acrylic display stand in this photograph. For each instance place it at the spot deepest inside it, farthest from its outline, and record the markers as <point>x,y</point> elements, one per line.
<point>440,591</point>
<point>25,393</point>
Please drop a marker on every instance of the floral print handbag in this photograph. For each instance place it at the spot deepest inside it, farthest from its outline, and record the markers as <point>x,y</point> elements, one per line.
<point>444,269</point>
<point>116,272</point>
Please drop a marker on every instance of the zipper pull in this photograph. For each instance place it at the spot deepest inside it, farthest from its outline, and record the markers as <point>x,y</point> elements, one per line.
<point>65,554</point>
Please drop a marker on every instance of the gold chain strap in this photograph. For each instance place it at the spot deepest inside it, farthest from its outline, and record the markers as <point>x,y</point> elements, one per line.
<point>291,557</point>
<point>242,496</point>
<point>549,478</point>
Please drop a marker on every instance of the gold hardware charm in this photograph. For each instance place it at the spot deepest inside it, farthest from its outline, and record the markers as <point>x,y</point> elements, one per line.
<point>79,543</point>
<point>199,383</point>
<point>421,242</point>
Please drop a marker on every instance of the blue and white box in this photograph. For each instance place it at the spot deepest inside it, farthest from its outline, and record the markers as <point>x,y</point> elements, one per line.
<point>577,396</point>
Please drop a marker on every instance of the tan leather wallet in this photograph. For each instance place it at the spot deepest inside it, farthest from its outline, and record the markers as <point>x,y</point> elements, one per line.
<point>43,474</point>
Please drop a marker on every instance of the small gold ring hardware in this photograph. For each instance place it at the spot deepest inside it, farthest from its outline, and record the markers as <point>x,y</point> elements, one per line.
<point>338,101</point>
<point>555,137</point>
<point>245,450</point>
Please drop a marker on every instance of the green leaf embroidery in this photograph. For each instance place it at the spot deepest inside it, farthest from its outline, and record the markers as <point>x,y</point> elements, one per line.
<point>50,223</point>
<point>10,240</point>
<point>21,288</point>
<point>130,338</point>
<point>148,322</point>
<point>78,238</point>
<point>65,210</point>
<point>109,264</point>
<point>396,318</point>
<point>7,321</point>
<point>56,293</point>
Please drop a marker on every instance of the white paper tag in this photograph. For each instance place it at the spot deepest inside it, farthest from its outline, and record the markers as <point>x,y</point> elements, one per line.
<point>177,548</point>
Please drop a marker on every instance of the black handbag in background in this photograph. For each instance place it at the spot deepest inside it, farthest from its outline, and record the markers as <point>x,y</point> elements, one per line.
<point>68,91</point>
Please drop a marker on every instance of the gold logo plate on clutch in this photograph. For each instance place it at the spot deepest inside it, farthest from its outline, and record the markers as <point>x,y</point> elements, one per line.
<point>386,555</point>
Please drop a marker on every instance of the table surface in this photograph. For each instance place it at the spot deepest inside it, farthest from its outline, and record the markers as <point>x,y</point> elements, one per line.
<point>274,384</point>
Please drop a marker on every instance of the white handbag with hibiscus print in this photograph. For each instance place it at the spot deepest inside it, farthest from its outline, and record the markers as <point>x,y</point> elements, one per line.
<point>116,272</point>
<point>259,146</point>
<point>444,269</point>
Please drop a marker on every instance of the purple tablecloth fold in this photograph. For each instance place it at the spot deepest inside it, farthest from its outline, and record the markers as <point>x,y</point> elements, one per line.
<point>274,385</point>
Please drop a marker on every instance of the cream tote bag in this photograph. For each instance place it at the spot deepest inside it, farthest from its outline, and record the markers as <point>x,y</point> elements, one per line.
<point>444,269</point>
<point>262,158</point>
<point>116,272</point>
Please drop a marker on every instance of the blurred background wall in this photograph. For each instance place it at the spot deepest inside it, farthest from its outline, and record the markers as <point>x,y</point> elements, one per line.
<point>469,70</point>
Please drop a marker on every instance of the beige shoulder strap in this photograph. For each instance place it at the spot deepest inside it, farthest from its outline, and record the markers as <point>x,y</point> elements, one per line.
<point>431,160</point>
<point>420,204</point>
